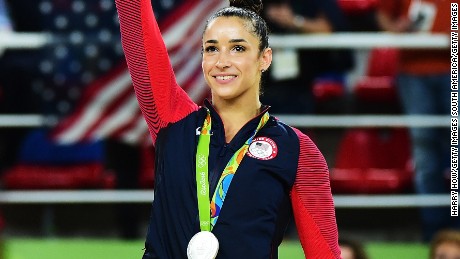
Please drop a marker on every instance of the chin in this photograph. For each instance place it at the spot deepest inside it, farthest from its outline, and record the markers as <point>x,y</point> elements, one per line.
<point>225,94</point>
<point>226,97</point>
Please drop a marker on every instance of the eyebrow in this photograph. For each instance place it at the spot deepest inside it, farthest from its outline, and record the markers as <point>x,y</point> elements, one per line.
<point>230,41</point>
<point>237,40</point>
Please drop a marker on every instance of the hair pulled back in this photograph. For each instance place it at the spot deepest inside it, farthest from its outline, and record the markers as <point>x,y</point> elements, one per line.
<point>248,10</point>
<point>253,5</point>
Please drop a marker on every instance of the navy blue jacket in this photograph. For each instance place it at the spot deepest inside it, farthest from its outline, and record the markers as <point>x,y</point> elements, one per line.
<point>257,206</point>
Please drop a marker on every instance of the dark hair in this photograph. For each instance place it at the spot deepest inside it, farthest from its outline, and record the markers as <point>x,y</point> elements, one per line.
<point>248,10</point>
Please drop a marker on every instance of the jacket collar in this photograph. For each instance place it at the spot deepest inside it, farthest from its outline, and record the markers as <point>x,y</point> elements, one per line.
<point>243,134</point>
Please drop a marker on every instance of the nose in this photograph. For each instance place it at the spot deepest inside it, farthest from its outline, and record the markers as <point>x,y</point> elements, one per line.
<point>223,61</point>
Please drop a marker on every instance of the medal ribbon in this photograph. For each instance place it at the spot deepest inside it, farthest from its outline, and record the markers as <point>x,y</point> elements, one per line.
<point>209,210</point>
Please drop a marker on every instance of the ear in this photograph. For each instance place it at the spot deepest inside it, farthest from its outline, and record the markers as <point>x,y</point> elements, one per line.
<point>266,59</point>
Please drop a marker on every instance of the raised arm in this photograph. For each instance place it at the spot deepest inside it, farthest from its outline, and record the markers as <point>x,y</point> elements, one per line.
<point>160,98</point>
<point>313,205</point>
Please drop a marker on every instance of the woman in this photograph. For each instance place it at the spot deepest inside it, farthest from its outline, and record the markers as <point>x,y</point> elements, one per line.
<point>277,167</point>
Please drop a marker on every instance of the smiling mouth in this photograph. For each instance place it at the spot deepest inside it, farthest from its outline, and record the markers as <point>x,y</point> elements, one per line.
<point>224,78</point>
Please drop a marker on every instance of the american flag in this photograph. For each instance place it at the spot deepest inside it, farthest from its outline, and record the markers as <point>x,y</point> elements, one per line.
<point>108,107</point>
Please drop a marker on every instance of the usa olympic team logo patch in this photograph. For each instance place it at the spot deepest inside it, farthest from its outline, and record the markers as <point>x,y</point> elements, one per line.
<point>263,148</point>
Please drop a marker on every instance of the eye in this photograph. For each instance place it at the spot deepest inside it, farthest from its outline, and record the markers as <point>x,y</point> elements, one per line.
<point>239,48</point>
<point>210,49</point>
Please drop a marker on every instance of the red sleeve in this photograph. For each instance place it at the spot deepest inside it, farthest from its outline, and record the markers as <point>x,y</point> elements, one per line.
<point>312,203</point>
<point>160,98</point>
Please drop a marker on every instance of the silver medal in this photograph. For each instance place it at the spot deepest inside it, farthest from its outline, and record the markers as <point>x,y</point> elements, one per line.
<point>203,245</point>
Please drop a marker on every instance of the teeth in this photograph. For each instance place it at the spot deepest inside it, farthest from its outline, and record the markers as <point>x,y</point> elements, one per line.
<point>224,77</point>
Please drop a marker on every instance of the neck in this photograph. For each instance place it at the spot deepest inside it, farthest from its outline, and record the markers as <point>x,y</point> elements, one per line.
<point>235,114</point>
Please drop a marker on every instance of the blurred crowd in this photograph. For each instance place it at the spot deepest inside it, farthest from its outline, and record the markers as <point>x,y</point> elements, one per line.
<point>54,79</point>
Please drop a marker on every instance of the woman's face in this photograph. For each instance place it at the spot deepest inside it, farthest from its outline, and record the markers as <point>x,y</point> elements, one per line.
<point>232,62</point>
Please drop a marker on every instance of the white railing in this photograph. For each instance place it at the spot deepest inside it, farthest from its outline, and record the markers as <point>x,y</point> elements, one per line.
<point>350,121</point>
<point>146,196</point>
<point>310,121</point>
<point>365,40</point>
<point>25,40</point>
<point>23,120</point>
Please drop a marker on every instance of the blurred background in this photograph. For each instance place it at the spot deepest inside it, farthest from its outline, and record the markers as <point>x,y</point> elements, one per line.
<point>367,80</point>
